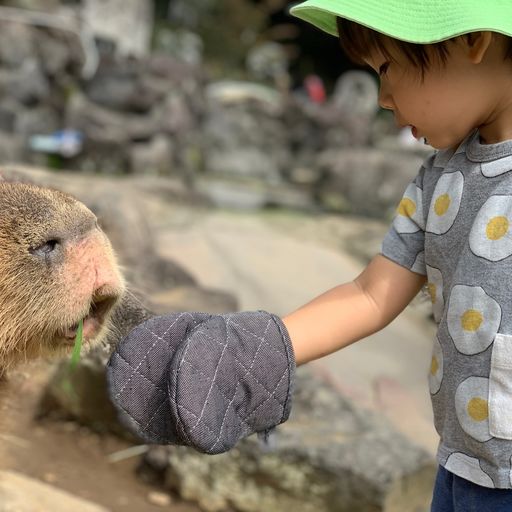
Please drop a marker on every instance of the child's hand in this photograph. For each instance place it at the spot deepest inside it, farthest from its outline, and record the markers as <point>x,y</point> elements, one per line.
<point>203,380</point>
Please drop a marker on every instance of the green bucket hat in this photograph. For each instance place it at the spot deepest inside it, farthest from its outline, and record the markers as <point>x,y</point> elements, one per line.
<point>415,21</point>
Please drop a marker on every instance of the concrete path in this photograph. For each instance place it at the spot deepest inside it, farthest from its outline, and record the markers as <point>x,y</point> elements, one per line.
<point>277,269</point>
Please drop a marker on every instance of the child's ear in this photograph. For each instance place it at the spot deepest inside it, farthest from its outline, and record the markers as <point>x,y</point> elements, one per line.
<point>477,45</point>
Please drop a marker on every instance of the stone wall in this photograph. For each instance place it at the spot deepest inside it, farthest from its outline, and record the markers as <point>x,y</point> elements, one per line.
<point>245,144</point>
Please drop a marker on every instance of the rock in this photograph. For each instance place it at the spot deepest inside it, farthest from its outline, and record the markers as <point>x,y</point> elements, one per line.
<point>345,120</point>
<point>232,92</point>
<point>119,131</point>
<point>16,44</point>
<point>183,45</point>
<point>58,53</point>
<point>250,194</point>
<point>101,124</point>
<point>244,162</point>
<point>50,478</point>
<point>190,12</point>
<point>39,120</point>
<point>193,298</point>
<point>174,115</point>
<point>8,110</point>
<point>355,94</point>
<point>27,84</point>
<point>153,157</point>
<point>109,157</point>
<point>306,135</point>
<point>126,22</point>
<point>329,457</point>
<point>267,61</point>
<point>244,133</point>
<point>368,182</point>
<point>119,84</point>
<point>11,148</point>
<point>160,499</point>
<point>179,74</point>
<point>228,29</point>
<point>126,224</point>
<point>19,493</point>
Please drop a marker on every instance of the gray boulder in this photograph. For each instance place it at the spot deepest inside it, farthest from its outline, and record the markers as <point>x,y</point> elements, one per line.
<point>128,23</point>
<point>101,124</point>
<point>11,147</point>
<point>330,456</point>
<point>17,44</point>
<point>120,85</point>
<point>153,157</point>
<point>40,119</point>
<point>58,53</point>
<point>125,222</point>
<point>180,44</point>
<point>244,133</point>
<point>365,181</point>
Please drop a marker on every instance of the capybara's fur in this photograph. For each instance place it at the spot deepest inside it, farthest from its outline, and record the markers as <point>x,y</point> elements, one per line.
<point>56,268</point>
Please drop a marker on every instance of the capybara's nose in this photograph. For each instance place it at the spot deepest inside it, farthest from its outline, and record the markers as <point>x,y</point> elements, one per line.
<point>108,280</point>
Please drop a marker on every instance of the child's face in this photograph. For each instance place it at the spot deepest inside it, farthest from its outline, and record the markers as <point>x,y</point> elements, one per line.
<point>453,99</point>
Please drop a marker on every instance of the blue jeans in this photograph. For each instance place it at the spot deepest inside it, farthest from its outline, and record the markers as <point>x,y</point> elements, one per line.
<point>455,494</point>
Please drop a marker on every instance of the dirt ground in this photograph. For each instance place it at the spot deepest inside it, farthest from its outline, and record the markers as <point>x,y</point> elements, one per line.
<point>66,455</point>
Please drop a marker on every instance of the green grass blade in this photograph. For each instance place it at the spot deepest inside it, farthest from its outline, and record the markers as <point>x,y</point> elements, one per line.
<point>75,356</point>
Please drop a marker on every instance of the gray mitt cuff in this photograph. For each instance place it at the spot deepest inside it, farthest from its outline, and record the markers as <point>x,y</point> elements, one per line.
<point>228,376</point>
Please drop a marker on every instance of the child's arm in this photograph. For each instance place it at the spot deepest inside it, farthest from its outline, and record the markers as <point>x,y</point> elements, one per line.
<point>353,310</point>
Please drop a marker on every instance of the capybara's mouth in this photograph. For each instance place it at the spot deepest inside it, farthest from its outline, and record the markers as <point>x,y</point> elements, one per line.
<point>94,320</point>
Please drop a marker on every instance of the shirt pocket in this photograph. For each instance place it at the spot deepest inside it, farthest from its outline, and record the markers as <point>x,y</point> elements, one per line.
<point>500,388</point>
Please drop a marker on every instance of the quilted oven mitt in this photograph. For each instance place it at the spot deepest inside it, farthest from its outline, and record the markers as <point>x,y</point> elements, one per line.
<point>203,380</point>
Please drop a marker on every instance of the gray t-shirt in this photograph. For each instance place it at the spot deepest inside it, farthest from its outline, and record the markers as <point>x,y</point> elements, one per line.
<point>454,225</point>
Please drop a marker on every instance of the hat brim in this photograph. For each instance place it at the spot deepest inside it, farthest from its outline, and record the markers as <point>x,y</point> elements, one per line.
<point>415,21</point>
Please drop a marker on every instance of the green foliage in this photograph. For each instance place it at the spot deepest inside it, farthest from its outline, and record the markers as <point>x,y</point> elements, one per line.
<point>228,29</point>
<point>75,356</point>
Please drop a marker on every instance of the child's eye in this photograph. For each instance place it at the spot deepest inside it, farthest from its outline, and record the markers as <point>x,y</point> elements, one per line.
<point>383,69</point>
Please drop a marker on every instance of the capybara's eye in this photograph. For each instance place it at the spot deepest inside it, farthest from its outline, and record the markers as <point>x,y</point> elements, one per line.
<point>45,249</point>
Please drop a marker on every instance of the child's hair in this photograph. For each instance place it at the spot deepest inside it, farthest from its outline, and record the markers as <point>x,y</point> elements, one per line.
<point>358,42</point>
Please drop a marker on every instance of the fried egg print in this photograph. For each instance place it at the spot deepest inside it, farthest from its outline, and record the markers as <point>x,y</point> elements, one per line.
<point>491,233</point>
<point>497,167</point>
<point>409,213</point>
<point>473,318</point>
<point>445,203</point>
<point>462,464</point>
<point>472,407</point>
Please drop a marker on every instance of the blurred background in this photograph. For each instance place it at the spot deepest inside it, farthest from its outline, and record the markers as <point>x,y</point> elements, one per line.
<point>237,160</point>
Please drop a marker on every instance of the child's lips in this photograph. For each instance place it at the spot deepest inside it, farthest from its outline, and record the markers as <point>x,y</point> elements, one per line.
<point>414,130</point>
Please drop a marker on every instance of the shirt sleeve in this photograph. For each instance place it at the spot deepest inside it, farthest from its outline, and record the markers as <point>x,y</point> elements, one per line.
<point>404,243</point>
